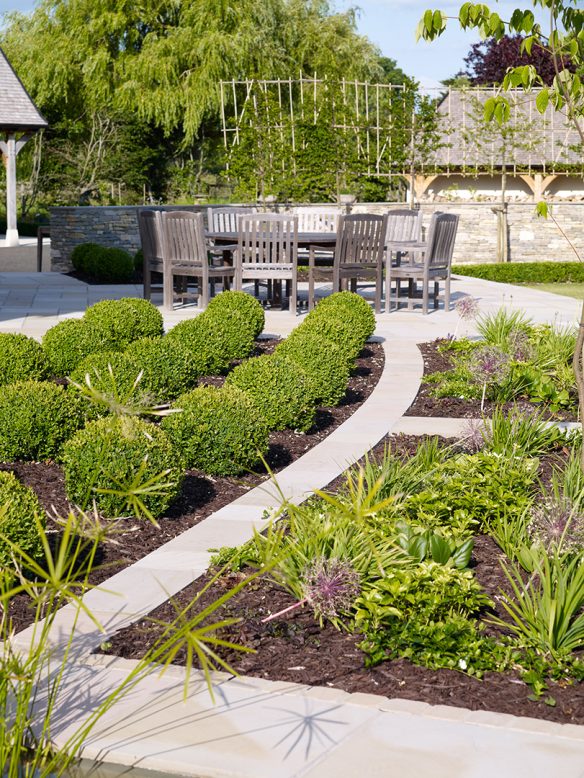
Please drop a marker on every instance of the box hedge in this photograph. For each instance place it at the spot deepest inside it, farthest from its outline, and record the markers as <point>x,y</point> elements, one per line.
<point>219,430</point>
<point>169,368</point>
<point>19,506</point>
<point>280,390</point>
<point>111,265</point>
<point>251,311</point>
<point>21,358</point>
<point>323,361</point>
<point>119,322</point>
<point>111,373</point>
<point>525,272</point>
<point>36,418</point>
<point>109,453</point>
<point>68,343</point>
<point>357,311</point>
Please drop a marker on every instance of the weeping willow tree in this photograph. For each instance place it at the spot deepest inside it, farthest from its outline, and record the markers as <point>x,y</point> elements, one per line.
<point>156,65</point>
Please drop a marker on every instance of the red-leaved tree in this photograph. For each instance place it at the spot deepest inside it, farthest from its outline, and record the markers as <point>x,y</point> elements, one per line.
<point>487,62</point>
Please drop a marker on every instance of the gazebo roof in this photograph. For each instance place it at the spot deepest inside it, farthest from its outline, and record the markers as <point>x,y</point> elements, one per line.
<point>17,110</point>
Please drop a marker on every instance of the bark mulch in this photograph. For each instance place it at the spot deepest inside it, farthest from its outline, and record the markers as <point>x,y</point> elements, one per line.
<point>201,495</point>
<point>295,648</point>
<point>456,407</point>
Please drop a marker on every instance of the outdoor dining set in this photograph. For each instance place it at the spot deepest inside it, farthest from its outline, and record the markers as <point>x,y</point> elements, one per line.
<point>239,246</point>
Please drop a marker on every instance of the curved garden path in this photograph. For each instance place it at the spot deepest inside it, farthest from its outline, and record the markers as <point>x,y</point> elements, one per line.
<point>279,730</point>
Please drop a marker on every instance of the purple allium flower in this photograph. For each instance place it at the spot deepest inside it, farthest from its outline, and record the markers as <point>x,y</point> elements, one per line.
<point>490,364</point>
<point>467,307</point>
<point>330,586</point>
<point>557,521</point>
<point>472,436</point>
<point>520,346</point>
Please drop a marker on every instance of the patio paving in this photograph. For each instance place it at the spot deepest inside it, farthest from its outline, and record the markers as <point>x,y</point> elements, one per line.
<point>261,728</point>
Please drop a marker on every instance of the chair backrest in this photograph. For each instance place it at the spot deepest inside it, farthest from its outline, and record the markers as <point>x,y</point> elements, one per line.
<point>183,234</point>
<point>226,219</point>
<point>268,239</point>
<point>404,224</point>
<point>361,239</point>
<point>317,219</point>
<point>441,238</point>
<point>150,229</point>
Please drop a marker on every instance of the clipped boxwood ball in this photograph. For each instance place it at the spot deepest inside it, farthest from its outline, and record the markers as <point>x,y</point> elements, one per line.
<point>110,264</point>
<point>333,326</point>
<point>81,256</point>
<point>357,310</point>
<point>19,506</point>
<point>248,307</point>
<point>279,389</point>
<point>36,418</point>
<point>119,322</point>
<point>169,368</point>
<point>67,343</point>
<point>215,341</point>
<point>324,363</point>
<point>218,430</point>
<point>115,384</point>
<point>21,357</point>
<point>109,453</point>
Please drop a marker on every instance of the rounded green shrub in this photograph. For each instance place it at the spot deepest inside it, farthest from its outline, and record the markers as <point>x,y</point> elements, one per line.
<point>334,327</point>
<point>279,389</point>
<point>248,307</point>
<point>110,454</point>
<point>323,361</point>
<point>215,341</point>
<point>218,430</point>
<point>353,309</point>
<point>169,368</point>
<point>67,343</point>
<point>119,322</point>
<point>21,357</point>
<point>21,515</point>
<point>110,264</point>
<point>36,418</point>
<point>115,383</point>
<point>81,255</point>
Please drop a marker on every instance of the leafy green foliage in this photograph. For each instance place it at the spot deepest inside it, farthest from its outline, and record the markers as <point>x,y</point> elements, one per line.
<point>520,434</point>
<point>421,544</point>
<point>21,516</point>
<point>82,256</point>
<point>323,361</point>
<point>279,389</point>
<point>214,340</point>
<point>21,357</point>
<point>355,311</point>
<point>36,418</point>
<point>525,272</point>
<point>249,309</point>
<point>123,464</point>
<point>218,431</point>
<point>112,374</point>
<point>119,322</point>
<point>67,343</point>
<point>168,369</point>
<point>103,264</point>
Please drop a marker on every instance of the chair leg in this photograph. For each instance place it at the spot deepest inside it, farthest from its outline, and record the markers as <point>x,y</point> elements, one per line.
<point>425,292</point>
<point>147,281</point>
<point>293,297</point>
<point>203,284</point>
<point>436,292</point>
<point>168,290</point>
<point>388,288</point>
<point>378,289</point>
<point>447,293</point>
<point>411,293</point>
<point>311,269</point>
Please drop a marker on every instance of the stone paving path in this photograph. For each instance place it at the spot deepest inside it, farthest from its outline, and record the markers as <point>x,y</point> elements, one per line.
<point>260,728</point>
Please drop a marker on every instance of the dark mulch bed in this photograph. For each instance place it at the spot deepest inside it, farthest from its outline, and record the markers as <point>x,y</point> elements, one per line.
<point>456,407</point>
<point>201,495</point>
<point>295,648</point>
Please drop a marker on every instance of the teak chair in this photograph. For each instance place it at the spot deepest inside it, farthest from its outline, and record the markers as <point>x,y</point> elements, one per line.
<point>187,255</point>
<point>150,229</point>
<point>435,265</point>
<point>358,253</point>
<point>225,219</point>
<point>267,250</point>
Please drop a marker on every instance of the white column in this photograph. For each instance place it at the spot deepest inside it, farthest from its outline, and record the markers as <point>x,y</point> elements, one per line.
<point>10,148</point>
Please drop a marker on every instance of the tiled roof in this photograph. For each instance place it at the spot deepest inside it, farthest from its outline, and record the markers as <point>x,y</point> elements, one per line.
<point>539,139</point>
<point>17,110</point>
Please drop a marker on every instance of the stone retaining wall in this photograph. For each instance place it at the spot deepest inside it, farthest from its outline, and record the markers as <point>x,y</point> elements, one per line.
<point>530,238</point>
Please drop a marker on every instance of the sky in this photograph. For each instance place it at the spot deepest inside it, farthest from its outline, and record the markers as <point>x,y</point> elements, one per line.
<point>391,25</point>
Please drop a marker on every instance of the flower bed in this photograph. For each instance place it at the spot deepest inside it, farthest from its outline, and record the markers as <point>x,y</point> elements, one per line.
<point>450,549</point>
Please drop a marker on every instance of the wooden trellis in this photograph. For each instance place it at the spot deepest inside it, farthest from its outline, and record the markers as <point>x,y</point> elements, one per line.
<point>384,120</point>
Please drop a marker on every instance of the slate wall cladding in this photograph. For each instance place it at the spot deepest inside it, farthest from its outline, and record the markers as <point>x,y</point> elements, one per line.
<point>530,238</point>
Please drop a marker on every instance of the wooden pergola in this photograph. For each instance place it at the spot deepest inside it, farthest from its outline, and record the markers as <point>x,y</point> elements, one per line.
<point>19,120</point>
